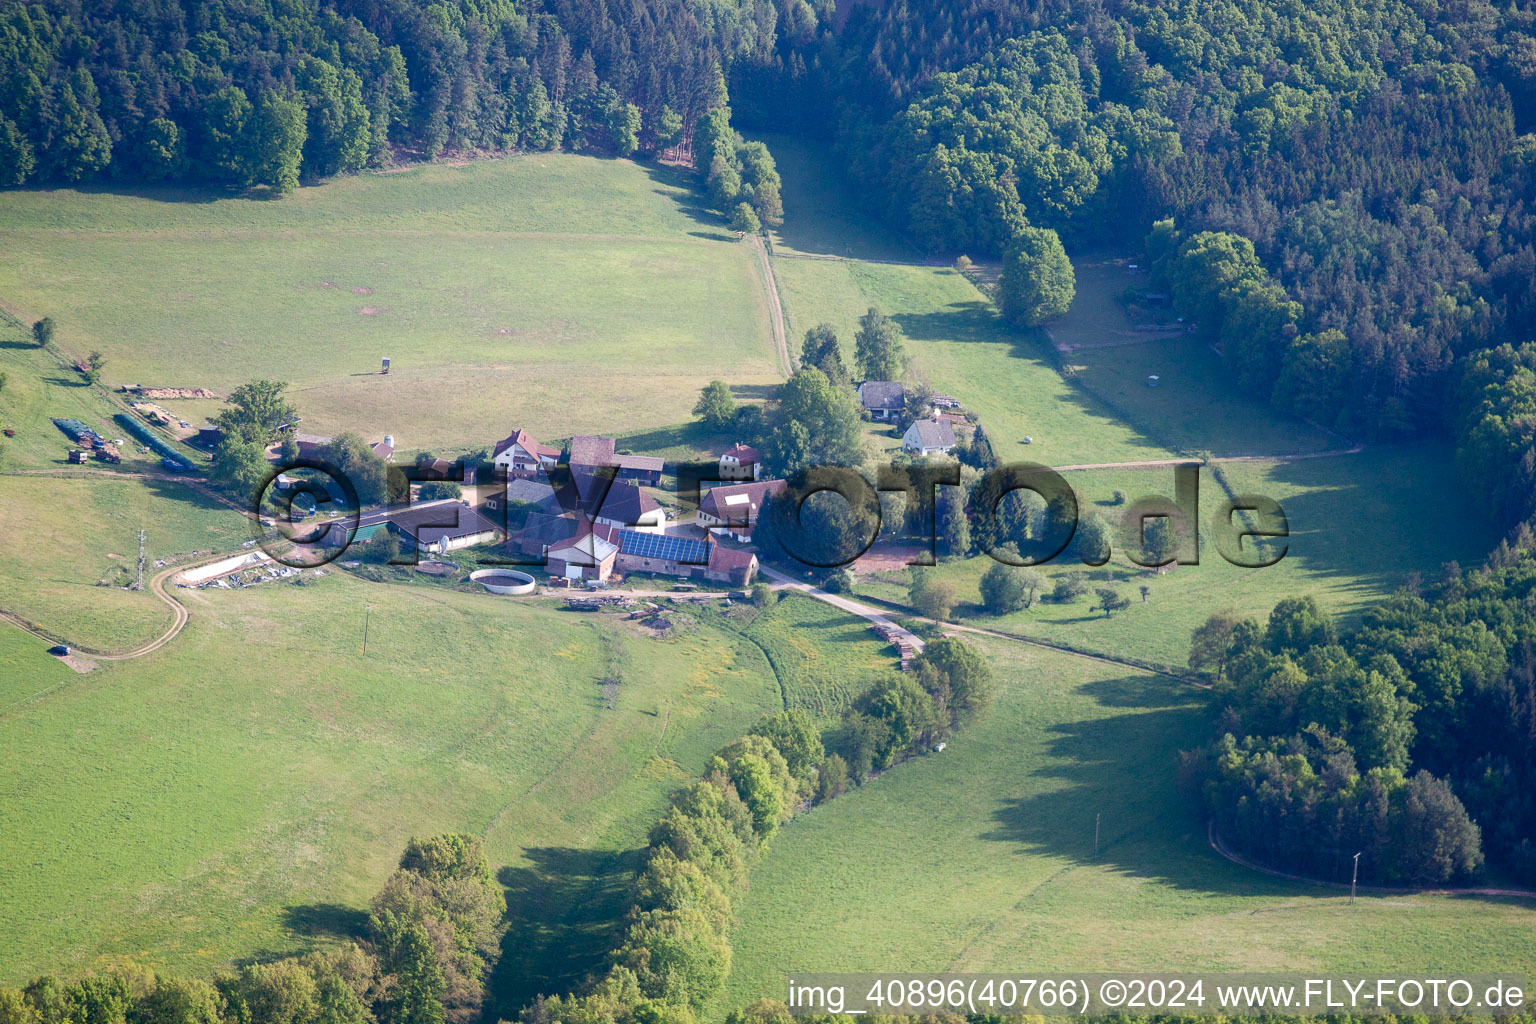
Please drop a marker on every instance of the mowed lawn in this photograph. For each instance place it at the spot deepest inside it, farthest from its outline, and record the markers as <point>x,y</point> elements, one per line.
<point>243,792</point>
<point>955,341</point>
<point>958,344</point>
<point>562,293</point>
<point>981,858</point>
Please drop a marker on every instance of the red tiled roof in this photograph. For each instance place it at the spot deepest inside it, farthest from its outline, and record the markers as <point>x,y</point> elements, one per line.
<point>724,559</point>
<point>525,441</point>
<point>744,454</point>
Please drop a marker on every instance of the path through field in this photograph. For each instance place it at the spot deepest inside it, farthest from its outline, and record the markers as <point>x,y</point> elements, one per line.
<point>775,307</point>
<point>179,613</point>
<point>864,611</point>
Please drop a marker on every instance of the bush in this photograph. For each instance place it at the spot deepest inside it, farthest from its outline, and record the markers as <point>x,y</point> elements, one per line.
<point>839,582</point>
<point>1069,587</point>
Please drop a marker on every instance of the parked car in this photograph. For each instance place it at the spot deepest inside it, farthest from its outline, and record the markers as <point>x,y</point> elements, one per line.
<point>59,650</point>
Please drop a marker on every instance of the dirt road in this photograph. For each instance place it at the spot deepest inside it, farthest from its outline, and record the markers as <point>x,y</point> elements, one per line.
<point>775,308</point>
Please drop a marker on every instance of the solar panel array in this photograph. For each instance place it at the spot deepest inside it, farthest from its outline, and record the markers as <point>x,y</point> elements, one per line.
<point>684,550</point>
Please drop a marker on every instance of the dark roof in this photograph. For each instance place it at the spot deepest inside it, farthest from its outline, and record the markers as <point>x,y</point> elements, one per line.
<point>544,528</point>
<point>626,503</point>
<point>423,521</point>
<point>531,492</point>
<point>934,433</point>
<point>885,395</point>
<point>682,550</point>
<point>590,450</point>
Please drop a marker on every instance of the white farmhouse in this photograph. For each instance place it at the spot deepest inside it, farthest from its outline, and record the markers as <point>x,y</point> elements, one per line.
<point>519,455</point>
<point>929,437</point>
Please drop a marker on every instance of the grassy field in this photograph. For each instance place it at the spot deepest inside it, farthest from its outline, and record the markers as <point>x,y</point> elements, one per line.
<point>823,657</point>
<point>71,545</point>
<point>502,292</point>
<point>1360,522</point>
<point>956,341</point>
<point>1340,550</point>
<point>1194,405</point>
<point>245,790</point>
<point>981,859</point>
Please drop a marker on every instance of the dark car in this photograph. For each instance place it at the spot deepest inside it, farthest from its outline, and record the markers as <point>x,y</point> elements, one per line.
<point>60,650</point>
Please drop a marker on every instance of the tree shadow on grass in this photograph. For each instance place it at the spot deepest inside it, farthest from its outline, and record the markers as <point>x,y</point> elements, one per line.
<point>681,187</point>
<point>566,909</point>
<point>694,435</point>
<point>65,382</point>
<point>326,921</point>
<point>1119,773</point>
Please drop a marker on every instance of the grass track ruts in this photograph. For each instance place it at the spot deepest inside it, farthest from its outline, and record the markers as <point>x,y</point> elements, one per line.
<point>775,307</point>
<point>157,587</point>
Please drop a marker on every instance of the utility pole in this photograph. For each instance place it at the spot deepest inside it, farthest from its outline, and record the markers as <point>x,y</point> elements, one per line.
<point>367,612</point>
<point>1096,817</point>
<point>139,582</point>
<point>1354,876</point>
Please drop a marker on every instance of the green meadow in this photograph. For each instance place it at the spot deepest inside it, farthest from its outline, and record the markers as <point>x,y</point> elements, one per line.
<point>1341,550</point>
<point>245,790</point>
<point>981,858</point>
<point>560,293</point>
<point>1360,522</point>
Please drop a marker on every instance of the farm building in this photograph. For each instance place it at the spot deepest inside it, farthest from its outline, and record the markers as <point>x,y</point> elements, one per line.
<point>685,556</point>
<point>628,507</point>
<point>736,566</point>
<point>664,554</point>
<point>735,507</point>
<point>311,446</point>
<point>442,526</point>
<point>883,399</point>
<point>523,493</point>
<point>438,469</point>
<point>519,455</point>
<point>588,555</point>
<point>740,462</point>
<point>592,452</point>
<point>929,437</point>
<point>435,526</point>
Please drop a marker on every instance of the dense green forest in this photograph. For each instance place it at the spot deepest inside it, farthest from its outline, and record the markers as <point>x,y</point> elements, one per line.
<point>1369,152</point>
<point>263,93</point>
<point>1411,740</point>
